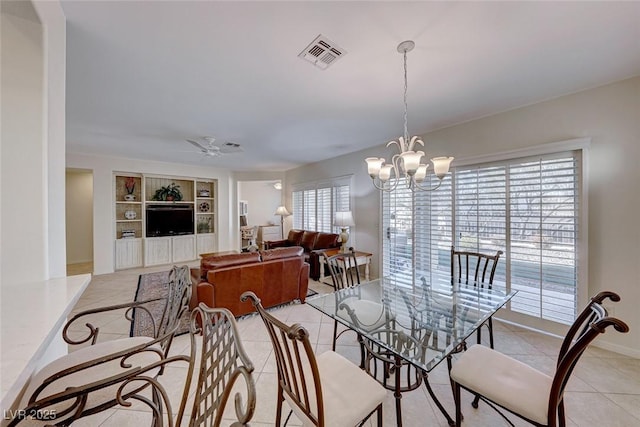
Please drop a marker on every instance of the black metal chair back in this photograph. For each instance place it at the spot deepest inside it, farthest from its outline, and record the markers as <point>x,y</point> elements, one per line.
<point>592,322</point>
<point>473,268</point>
<point>476,269</point>
<point>343,268</point>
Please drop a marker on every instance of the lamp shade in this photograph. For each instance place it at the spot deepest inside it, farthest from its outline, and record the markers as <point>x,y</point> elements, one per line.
<point>441,166</point>
<point>344,219</point>
<point>282,211</point>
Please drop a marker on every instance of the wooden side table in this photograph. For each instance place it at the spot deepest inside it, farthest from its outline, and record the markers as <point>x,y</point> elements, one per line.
<point>362,258</point>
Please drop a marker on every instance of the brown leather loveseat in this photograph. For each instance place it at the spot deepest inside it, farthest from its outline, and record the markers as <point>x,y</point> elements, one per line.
<point>313,243</point>
<point>277,276</point>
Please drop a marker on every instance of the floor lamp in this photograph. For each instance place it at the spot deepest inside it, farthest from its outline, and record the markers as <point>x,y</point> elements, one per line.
<point>282,212</point>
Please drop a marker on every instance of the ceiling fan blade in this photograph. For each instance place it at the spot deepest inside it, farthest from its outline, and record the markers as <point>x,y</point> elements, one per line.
<point>197,144</point>
<point>231,148</point>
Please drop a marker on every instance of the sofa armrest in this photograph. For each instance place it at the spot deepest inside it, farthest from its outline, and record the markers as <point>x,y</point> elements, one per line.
<point>196,277</point>
<point>314,261</point>
<point>304,282</point>
<point>206,294</point>
<point>270,244</point>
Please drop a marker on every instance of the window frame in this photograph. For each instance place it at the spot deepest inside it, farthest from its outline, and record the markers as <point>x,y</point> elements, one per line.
<point>579,145</point>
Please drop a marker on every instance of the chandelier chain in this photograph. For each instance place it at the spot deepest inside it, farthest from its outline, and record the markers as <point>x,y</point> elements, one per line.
<point>406,129</point>
<point>406,165</point>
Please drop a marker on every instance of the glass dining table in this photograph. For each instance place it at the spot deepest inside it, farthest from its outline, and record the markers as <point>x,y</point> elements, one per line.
<point>420,323</point>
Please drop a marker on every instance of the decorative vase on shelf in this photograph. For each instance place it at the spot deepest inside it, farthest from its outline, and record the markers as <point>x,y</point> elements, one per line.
<point>130,186</point>
<point>130,214</point>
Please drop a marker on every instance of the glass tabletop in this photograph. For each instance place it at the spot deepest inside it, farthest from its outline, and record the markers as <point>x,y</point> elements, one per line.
<point>422,323</point>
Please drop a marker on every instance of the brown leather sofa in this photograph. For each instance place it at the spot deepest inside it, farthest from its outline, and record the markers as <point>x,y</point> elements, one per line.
<point>277,276</point>
<point>313,243</point>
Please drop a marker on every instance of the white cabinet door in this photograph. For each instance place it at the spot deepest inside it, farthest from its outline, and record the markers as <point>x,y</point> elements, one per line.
<point>206,243</point>
<point>157,251</point>
<point>128,253</point>
<point>184,248</point>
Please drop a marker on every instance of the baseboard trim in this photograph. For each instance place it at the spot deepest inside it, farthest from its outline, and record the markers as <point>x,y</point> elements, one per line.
<point>617,348</point>
<point>602,344</point>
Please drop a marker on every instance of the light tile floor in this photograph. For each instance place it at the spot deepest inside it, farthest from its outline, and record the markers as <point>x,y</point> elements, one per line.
<point>603,391</point>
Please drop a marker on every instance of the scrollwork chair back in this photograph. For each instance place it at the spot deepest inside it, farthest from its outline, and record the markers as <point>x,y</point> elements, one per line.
<point>223,362</point>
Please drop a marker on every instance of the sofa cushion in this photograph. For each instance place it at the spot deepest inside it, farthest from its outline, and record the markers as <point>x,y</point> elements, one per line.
<point>229,260</point>
<point>308,240</point>
<point>279,253</point>
<point>326,240</point>
<point>295,237</point>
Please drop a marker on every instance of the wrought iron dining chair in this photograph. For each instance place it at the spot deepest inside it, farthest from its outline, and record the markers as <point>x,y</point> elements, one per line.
<point>392,371</point>
<point>476,269</point>
<point>327,390</point>
<point>105,374</point>
<point>366,315</point>
<point>522,390</point>
<point>223,362</point>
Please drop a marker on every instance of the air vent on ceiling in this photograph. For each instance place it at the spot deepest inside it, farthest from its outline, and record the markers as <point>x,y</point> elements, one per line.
<point>322,52</point>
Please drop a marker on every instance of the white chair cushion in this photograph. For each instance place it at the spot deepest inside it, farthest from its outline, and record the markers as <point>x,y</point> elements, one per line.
<point>504,380</point>
<point>92,374</point>
<point>370,315</point>
<point>349,393</point>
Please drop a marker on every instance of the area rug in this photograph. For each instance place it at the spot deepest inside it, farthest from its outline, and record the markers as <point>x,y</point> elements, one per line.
<point>150,286</point>
<point>156,285</point>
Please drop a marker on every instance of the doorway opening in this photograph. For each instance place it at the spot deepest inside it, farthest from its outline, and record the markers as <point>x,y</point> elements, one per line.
<point>79,221</point>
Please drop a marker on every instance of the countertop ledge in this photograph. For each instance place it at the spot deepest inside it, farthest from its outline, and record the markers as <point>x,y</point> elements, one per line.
<point>31,316</point>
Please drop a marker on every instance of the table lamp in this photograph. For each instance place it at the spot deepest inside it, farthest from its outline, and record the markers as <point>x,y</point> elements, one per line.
<point>282,212</point>
<point>344,220</point>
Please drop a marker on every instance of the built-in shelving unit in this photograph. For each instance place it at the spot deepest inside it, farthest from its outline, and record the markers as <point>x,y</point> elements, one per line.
<point>134,194</point>
<point>128,209</point>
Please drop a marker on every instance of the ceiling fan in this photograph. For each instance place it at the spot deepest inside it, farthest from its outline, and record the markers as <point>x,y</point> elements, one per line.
<point>210,149</point>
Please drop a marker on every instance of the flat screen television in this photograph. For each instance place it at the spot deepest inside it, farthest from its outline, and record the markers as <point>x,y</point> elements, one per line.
<point>169,220</point>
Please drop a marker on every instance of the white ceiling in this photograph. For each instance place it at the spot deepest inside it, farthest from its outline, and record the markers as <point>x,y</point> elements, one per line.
<point>143,76</point>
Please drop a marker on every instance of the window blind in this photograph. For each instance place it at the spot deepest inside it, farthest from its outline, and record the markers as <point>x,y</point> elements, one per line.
<point>433,229</point>
<point>315,203</point>
<point>298,209</point>
<point>526,207</point>
<point>397,244</point>
<point>544,203</point>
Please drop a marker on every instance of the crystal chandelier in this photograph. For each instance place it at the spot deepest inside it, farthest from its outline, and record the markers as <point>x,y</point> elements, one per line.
<point>406,165</point>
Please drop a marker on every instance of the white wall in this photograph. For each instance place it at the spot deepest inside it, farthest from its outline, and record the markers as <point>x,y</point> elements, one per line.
<point>79,216</point>
<point>365,236</point>
<point>103,169</point>
<point>55,44</point>
<point>609,115</point>
<point>32,86</point>
<point>263,201</point>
